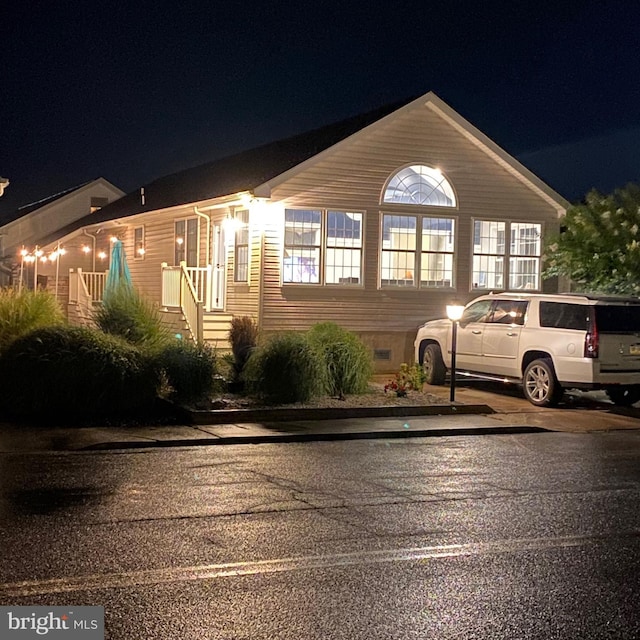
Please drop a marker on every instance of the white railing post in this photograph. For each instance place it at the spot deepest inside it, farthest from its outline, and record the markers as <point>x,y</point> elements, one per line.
<point>73,285</point>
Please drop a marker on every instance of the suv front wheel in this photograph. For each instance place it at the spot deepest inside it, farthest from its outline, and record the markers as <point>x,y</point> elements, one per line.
<point>540,384</point>
<point>433,366</point>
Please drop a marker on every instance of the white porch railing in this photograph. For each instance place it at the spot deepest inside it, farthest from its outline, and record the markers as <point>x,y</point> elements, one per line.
<point>85,288</point>
<point>200,278</point>
<point>180,290</point>
<point>86,285</point>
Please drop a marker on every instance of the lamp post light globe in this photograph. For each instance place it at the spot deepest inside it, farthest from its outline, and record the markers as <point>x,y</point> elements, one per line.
<point>454,313</point>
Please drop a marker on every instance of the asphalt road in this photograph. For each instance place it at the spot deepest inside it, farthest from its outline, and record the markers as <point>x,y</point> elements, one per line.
<point>529,536</point>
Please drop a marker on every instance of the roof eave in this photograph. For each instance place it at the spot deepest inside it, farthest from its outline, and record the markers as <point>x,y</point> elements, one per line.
<point>498,154</point>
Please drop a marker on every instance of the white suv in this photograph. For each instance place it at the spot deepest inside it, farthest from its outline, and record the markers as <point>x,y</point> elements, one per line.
<point>545,342</point>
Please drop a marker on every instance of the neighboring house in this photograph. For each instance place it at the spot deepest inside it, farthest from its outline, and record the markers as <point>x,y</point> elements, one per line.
<point>30,224</point>
<point>375,223</point>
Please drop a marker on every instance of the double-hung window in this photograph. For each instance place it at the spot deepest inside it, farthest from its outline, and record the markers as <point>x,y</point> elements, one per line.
<point>186,241</point>
<point>241,247</point>
<point>498,264</point>
<point>322,246</point>
<point>138,243</point>
<point>417,244</point>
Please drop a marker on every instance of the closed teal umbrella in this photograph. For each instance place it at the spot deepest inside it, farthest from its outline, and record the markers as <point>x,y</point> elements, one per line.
<point>119,276</point>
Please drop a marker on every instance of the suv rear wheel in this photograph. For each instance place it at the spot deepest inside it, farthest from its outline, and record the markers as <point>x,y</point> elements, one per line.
<point>540,384</point>
<point>433,365</point>
<point>624,396</point>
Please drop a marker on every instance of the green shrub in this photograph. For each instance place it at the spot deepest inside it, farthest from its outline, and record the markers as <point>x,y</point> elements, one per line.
<point>243,337</point>
<point>347,360</point>
<point>69,373</point>
<point>126,314</point>
<point>22,312</point>
<point>189,369</point>
<point>285,369</point>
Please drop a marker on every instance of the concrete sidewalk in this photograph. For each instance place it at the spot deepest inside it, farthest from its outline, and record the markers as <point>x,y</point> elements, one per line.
<point>256,427</point>
<point>478,412</point>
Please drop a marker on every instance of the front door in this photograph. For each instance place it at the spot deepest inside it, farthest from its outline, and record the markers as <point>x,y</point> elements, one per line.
<point>218,275</point>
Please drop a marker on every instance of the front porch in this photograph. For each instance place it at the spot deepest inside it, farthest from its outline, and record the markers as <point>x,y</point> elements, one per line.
<point>187,303</point>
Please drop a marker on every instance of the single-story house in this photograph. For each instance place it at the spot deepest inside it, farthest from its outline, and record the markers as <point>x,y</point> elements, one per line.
<point>375,223</point>
<point>24,228</point>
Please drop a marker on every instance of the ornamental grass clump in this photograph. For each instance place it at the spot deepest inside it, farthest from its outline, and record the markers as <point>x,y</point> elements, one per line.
<point>66,374</point>
<point>128,315</point>
<point>284,370</point>
<point>243,337</point>
<point>190,371</point>
<point>347,361</point>
<point>24,311</point>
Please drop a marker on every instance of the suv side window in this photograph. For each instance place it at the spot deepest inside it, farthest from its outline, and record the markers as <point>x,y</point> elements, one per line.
<point>564,315</point>
<point>509,312</point>
<point>476,312</point>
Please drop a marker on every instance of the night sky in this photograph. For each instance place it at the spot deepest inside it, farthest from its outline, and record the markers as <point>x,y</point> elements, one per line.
<point>134,91</point>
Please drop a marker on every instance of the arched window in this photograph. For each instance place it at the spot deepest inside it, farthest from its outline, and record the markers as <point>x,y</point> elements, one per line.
<point>420,185</point>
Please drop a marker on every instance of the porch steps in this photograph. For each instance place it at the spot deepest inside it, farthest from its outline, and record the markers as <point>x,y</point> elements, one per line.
<point>216,325</point>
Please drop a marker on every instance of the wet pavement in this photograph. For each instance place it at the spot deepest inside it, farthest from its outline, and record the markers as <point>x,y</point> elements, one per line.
<point>480,409</point>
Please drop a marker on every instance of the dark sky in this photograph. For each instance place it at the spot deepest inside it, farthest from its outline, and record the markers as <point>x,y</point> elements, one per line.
<point>133,91</point>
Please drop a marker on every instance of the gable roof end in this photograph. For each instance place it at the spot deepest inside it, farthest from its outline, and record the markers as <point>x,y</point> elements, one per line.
<point>433,102</point>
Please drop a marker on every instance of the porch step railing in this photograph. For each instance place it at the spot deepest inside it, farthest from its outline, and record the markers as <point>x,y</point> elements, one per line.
<point>179,290</point>
<point>200,278</point>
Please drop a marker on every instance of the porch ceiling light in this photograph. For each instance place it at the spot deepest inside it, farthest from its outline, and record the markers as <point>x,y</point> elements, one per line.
<point>231,225</point>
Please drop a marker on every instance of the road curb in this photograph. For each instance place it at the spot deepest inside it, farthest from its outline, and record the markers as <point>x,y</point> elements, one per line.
<point>235,416</point>
<point>316,437</point>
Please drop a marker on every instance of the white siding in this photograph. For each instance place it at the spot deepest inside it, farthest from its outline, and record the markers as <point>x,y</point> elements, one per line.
<point>353,178</point>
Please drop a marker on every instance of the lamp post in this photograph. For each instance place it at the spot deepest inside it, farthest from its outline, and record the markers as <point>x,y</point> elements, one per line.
<point>454,313</point>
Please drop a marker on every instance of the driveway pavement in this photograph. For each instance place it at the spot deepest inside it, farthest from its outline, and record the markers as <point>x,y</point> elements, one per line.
<point>480,409</point>
<point>578,412</point>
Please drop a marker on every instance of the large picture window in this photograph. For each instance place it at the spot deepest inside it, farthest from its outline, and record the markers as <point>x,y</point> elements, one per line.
<point>420,245</point>
<point>501,265</point>
<point>322,247</point>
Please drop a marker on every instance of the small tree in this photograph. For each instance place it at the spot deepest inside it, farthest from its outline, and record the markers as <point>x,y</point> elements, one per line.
<point>599,245</point>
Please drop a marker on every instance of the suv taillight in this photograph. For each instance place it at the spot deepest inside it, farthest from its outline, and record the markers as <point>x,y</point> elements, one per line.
<point>591,339</point>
